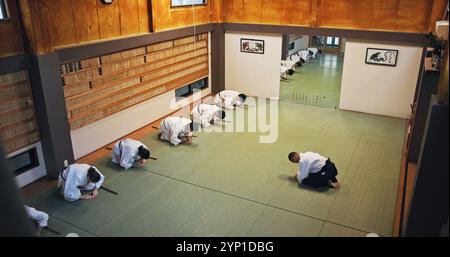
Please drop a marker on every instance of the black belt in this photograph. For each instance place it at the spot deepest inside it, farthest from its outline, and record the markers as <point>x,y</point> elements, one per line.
<point>198,109</point>
<point>120,148</point>
<point>61,174</point>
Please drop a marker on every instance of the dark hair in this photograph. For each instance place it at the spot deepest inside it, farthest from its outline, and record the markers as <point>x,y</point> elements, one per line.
<point>143,152</point>
<point>299,63</point>
<point>291,72</point>
<point>310,52</point>
<point>292,155</point>
<point>194,126</point>
<point>319,51</point>
<point>243,97</point>
<point>302,60</point>
<point>222,115</point>
<point>93,175</point>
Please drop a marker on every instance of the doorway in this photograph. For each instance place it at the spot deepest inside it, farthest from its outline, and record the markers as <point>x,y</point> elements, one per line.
<point>318,81</point>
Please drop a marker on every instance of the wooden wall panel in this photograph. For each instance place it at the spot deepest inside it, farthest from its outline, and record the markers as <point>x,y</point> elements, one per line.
<point>129,17</point>
<point>143,16</point>
<point>413,15</point>
<point>76,21</point>
<point>334,13</point>
<point>360,14</point>
<point>298,12</point>
<point>252,11</point>
<point>216,8</point>
<point>383,11</point>
<point>437,13</point>
<point>233,10</point>
<point>165,17</point>
<point>393,15</point>
<point>11,43</point>
<point>109,19</point>
<point>272,12</point>
<point>62,23</point>
<point>86,20</point>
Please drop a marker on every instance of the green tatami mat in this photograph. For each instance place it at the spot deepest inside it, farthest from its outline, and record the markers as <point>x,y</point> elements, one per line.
<point>366,202</point>
<point>275,222</point>
<point>94,214</point>
<point>91,215</point>
<point>333,230</point>
<point>385,128</point>
<point>347,123</point>
<point>378,157</point>
<point>339,148</point>
<point>248,178</point>
<point>63,228</point>
<point>305,200</point>
<point>181,209</point>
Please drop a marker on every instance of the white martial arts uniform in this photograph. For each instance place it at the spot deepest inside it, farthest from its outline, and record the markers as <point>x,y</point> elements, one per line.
<point>284,72</point>
<point>74,178</point>
<point>171,128</point>
<point>305,55</point>
<point>40,217</point>
<point>309,163</point>
<point>228,99</point>
<point>289,64</point>
<point>125,152</point>
<point>204,113</point>
<point>295,58</point>
<point>314,51</point>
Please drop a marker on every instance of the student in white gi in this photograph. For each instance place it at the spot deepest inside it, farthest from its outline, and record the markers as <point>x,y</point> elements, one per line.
<point>305,55</point>
<point>284,72</point>
<point>207,114</point>
<point>314,170</point>
<point>230,99</point>
<point>297,58</point>
<point>292,65</point>
<point>130,153</point>
<point>39,217</point>
<point>314,52</point>
<point>177,130</point>
<point>80,176</point>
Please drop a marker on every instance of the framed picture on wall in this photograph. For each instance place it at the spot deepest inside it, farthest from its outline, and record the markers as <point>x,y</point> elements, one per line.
<point>253,46</point>
<point>380,56</point>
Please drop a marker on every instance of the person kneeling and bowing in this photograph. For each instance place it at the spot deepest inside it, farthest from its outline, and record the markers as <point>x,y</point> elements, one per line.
<point>77,177</point>
<point>207,114</point>
<point>130,153</point>
<point>177,130</point>
<point>314,170</point>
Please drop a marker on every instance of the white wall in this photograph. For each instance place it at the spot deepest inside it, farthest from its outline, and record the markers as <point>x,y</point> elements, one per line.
<point>102,132</point>
<point>300,43</point>
<point>253,74</point>
<point>379,89</point>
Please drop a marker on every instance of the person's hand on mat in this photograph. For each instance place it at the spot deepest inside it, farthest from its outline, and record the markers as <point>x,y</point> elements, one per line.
<point>86,197</point>
<point>142,162</point>
<point>294,176</point>
<point>94,193</point>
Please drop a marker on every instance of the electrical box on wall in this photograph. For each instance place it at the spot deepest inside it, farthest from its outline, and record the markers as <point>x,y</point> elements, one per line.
<point>442,29</point>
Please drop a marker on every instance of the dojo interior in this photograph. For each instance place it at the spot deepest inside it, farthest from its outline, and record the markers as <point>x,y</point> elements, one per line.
<point>77,76</point>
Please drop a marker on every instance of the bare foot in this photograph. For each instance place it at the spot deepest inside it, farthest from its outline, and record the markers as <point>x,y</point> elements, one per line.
<point>335,185</point>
